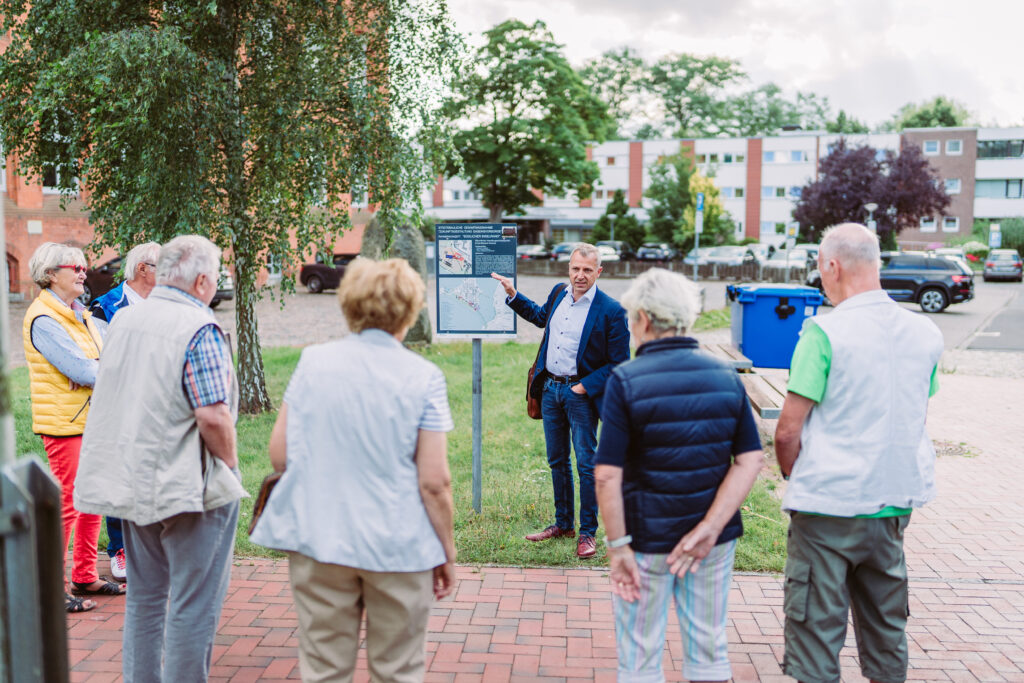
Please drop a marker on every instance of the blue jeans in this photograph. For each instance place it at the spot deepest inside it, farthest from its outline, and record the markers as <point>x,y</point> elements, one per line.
<point>568,415</point>
<point>115,537</point>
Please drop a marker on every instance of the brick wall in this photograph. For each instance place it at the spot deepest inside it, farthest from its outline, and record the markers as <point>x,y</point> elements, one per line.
<point>948,166</point>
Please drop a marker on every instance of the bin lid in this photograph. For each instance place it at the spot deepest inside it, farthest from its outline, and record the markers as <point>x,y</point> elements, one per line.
<point>751,292</point>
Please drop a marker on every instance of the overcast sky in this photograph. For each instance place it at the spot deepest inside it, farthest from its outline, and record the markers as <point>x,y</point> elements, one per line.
<point>868,57</point>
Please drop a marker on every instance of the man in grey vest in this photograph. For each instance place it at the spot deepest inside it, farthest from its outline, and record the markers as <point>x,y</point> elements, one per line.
<point>159,452</point>
<point>852,441</point>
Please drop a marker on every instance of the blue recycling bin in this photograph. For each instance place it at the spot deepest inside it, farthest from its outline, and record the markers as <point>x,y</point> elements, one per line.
<point>766,320</point>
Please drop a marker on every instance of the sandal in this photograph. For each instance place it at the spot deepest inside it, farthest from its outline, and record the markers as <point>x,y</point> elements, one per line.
<point>73,605</point>
<point>107,588</point>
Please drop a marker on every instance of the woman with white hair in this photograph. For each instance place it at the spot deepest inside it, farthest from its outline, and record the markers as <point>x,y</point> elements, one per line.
<point>678,454</point>
<point>62,347</point>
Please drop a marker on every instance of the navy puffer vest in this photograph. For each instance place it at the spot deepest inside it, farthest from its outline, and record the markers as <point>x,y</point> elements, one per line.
<point>684,409</point>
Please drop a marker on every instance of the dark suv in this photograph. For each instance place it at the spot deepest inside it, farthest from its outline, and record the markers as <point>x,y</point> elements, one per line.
<point>932,282</point>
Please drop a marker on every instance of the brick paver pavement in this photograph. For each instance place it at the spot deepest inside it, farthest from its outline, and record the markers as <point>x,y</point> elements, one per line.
<point>965,557</point>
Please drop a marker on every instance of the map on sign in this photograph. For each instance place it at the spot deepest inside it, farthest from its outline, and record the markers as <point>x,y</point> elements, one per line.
<point>455,257</point>
<point>469,301</point>
<point>474,303</point>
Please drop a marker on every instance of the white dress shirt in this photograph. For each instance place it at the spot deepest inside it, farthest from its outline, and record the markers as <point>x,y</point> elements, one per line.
<point>565,327</point>
<point>133,296</point>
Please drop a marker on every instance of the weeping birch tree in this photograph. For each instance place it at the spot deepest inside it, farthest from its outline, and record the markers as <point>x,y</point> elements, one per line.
<point>253,122</point>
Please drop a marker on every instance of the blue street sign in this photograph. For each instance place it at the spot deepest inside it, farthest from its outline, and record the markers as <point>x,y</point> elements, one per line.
<point>700,201</point>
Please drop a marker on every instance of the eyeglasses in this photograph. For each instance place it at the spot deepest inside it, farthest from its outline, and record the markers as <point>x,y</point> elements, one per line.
<point>77,269</point>
<point>151,265</point>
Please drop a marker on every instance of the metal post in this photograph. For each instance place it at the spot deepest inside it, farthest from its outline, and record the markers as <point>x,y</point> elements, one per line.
<point>696,254</point>
<point>477,424</point>
<point>6,438</point>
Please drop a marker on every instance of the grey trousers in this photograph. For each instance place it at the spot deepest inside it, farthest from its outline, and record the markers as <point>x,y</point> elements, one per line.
<point>178,572</point>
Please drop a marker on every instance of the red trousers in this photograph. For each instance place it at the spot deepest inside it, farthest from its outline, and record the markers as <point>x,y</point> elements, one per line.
<point>62,453</point>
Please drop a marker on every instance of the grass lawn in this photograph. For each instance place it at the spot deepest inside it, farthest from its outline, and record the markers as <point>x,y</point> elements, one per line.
<point>516,478</point>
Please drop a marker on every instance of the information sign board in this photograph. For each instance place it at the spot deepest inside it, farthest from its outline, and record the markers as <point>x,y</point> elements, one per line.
<point>470,303</point>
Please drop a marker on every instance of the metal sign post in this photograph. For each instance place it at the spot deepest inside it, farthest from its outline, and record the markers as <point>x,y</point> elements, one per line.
<point>698,228</point>
<point>470,303</point>
<point>995,236</point>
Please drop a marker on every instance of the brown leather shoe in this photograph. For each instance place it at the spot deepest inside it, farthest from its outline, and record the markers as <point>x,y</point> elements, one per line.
<point>551,532</point>
<point>586,548</point>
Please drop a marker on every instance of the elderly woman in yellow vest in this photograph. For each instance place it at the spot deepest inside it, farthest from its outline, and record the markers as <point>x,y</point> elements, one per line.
<point>62,347</point>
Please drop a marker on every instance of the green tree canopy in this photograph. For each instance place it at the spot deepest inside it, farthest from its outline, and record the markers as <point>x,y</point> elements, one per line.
<point>691,89</point>
<point>249,122</point>
<point>669,193</point>
<point>525,118</point>
<point>765,110</point>
<point>617,78</point>
<point>938,112</point>
<point>616,223</point>
<point>846,124</point>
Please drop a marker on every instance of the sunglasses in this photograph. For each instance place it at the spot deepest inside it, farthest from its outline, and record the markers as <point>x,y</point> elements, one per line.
<point>77,269</point>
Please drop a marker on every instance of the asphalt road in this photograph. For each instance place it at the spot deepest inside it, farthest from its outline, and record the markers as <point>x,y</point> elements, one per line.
<point>1005,330</point>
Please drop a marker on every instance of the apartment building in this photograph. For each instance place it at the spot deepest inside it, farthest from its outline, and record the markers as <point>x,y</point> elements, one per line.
<point>760,180</point>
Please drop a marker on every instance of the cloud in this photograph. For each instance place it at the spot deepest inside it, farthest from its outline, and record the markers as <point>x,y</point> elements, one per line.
<point>869,56</point>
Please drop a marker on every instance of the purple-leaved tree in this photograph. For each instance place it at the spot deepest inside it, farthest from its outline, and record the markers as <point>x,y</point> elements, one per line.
<point>904,186</point>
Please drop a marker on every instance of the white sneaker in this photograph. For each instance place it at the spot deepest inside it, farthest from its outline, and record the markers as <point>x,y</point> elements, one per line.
<point>118,566</point>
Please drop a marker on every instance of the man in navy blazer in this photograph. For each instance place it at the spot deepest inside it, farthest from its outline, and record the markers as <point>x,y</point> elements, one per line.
<point>585,336</point>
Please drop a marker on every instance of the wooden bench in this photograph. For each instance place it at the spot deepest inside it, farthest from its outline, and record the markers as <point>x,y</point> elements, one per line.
<point>766,394</point>
<point>729,354</point>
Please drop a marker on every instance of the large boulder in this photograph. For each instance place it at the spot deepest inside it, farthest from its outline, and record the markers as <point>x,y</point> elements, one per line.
<point>407,244</point>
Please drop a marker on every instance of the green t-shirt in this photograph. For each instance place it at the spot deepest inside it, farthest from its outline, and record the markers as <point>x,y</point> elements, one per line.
<point>808,376</point>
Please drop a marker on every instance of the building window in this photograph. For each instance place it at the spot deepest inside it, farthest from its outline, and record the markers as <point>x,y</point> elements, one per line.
<point>928,224</point>
<point>780,192</point>
<point>952,185</point>
<point>611,161</point>
<point>726,158</point>
<point>769,157</point>
<point>954,147</point>
<point>740,158</point>
<point>950,224</point>
<point>700,158</point>
<point>1013,188</point>
<point>713,158</point>
<point>767,192</point>
<point>794,191</point>
<point>598,194</point>
<point>798,156</point>
<point>456,195</point>
<point>739,193</point>
<point>727,192</point>
<point>1000,149</point>
<point>931,147</point>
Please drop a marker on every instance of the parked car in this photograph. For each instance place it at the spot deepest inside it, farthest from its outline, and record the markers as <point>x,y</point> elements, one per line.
<point>100,280</point>
<point>790,258</point>
<point>656,251</point>
<point>563,250</point>
<point>532,252</point>
<point>730,256</point>
<point>929,281</point>
<point>320,276</point>
<point>624,251</point>
<point>225,288</point>
<point>697,256</point>
<point>811,249</point>
<point>608,254</point>
<point>761,252</point>
<point>103,278</point>
<point>1003,264</point>
<point>946,252</point>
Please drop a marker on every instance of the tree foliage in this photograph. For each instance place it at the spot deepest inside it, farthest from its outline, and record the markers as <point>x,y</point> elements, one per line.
<point>669,193</point>
<point>904,186</point>
<point>250,122</point>
<point>765,110</point>
<point>616,223</point>
<point>525,119</point>
<point>846,124</point>
<point>616,77</point>
<point>691,90</point>
<point>938,112</point>
<point>718,226</point>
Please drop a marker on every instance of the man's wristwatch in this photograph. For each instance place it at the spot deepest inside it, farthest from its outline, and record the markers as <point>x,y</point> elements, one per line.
<point>619,542</point>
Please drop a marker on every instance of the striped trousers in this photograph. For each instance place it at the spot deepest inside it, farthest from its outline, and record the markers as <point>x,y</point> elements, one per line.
<point>702,603</point>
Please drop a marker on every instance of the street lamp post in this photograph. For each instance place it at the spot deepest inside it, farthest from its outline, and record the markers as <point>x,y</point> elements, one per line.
<point>870,207</point>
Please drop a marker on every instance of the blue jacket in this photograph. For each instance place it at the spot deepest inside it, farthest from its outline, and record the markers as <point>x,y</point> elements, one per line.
<point>104,307</point>
<point>603,344</point>
<point>680,411</point>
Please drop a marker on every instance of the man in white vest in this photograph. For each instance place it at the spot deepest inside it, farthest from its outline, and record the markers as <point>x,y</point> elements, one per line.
<point>159,452</point>
<point>851,440</point>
